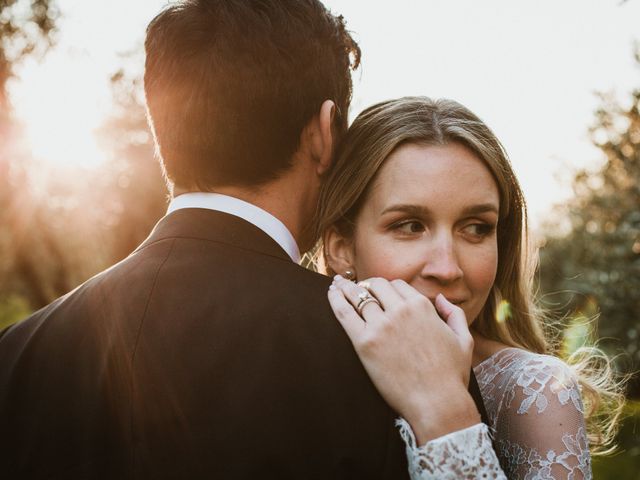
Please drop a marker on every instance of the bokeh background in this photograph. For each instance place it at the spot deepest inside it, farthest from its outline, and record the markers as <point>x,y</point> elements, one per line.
<point>559,82</point>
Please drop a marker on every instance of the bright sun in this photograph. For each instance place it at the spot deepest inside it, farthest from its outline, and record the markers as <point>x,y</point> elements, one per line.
<point>60,108</point>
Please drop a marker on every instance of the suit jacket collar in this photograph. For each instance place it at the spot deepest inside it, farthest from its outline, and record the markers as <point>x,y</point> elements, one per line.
<point>262,219</point>
<point>215,226</point>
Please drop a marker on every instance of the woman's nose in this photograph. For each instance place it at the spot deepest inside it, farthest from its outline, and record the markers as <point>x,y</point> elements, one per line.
<point>442,263</point>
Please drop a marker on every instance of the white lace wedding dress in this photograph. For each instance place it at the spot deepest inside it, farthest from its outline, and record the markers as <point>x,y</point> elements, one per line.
<point>536,419</point>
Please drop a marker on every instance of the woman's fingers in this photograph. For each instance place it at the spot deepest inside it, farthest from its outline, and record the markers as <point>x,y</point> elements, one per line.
<point>355,294</point>
<point>408,351</point>
<point>345,313</point>
<point>346,297</point>
<point>456,319</point>
<point>383,290</point>
<point>405,290</point>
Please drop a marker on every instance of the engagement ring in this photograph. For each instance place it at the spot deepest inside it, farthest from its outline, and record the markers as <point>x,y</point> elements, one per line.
<point>364,298</point>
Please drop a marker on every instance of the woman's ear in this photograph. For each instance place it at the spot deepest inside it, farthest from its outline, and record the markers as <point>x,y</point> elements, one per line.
<point>338,253</point>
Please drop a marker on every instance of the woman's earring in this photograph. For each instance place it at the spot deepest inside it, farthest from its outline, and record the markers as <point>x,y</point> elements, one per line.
<point>350,275</point>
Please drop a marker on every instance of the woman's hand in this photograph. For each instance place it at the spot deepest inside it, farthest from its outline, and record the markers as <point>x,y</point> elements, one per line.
<point>419,363</point>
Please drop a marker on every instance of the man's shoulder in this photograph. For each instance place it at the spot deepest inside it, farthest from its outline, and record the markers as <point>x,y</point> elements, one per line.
<point>229,271</point>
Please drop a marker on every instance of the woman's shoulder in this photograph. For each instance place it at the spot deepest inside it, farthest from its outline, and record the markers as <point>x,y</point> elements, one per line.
<point>514,359</point>
<point>528,381</point>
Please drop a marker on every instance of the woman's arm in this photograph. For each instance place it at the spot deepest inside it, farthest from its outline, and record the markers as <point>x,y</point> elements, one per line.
<point>420,365</point>
<point>540,426</point>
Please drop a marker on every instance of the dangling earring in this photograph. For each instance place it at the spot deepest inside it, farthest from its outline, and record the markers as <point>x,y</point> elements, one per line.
<point>350,275</point>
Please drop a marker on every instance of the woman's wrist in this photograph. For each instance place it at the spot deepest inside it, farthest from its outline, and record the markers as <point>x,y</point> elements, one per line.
<point>448,409</point>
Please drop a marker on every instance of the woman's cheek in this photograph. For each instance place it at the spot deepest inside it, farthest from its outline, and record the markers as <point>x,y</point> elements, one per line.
<point>485,276</point>
<point>480,276</point>
<point>379,258</point>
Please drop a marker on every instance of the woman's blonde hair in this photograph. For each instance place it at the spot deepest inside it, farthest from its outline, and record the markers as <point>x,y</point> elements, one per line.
<point>510,315</point>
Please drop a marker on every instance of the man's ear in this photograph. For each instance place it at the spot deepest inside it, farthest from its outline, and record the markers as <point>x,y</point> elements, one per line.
<point>321,136</point>
<point>338,252</point>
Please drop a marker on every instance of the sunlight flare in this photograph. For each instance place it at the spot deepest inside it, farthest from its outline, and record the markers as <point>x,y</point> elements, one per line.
<point>503,312</point>
<point>58,105</point>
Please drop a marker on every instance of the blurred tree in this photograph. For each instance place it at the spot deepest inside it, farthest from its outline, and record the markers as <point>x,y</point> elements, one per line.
<point>58,233</point>
<point>27,29</point>
<point>599,259</point>
<point>135,187</point>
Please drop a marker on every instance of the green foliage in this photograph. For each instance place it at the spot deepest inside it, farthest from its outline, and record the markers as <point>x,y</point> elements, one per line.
<point>625,464</point>
<point>596,266</point>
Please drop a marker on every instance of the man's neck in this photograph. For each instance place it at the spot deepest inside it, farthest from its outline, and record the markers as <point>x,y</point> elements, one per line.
<point>274,198</point>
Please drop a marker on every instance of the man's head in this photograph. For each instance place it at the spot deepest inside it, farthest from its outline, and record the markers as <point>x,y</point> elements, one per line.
<point>231,84</point>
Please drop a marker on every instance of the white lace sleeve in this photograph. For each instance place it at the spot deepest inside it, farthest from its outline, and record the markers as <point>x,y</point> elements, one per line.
<point>465,454</point>
<point>536,411</point>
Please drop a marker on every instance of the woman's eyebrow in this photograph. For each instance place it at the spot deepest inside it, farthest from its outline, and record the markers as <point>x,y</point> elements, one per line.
<point>417,210</point>
<point>481,208</point>
<point>421,210</point>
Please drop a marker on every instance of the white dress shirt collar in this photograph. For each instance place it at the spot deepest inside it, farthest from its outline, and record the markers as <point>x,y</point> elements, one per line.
<point>247,211</point>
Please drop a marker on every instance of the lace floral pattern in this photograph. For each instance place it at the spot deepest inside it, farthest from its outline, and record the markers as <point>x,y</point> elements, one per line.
<point>537,419</point>
<point>463,454</point>
<point>536,412</point>
<point>573,463</point>
<point>537,378</point>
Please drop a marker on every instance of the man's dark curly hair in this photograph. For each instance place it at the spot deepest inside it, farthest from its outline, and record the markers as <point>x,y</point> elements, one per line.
<point>230,85</point>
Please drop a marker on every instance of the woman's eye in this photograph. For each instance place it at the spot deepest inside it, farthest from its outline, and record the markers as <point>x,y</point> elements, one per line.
<point>480,230</point>
<point>410,227</point>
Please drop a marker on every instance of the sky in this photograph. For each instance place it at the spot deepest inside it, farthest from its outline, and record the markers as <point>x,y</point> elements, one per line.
<point>530,70</point>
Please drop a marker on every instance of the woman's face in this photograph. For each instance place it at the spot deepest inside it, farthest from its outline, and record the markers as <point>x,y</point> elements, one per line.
<point>430,219</point>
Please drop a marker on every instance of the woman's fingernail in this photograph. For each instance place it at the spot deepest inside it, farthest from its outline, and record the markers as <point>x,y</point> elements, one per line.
<point>332,287</point>
<point>338,278</point>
